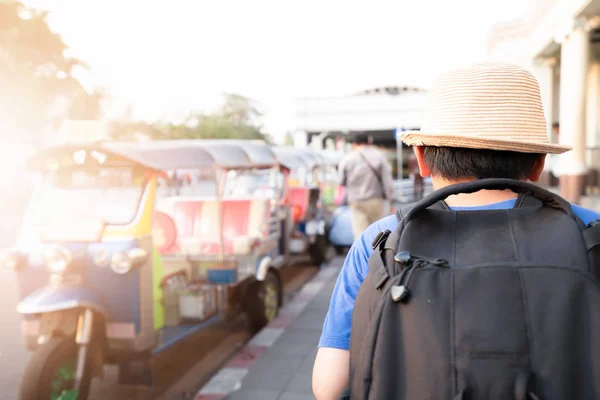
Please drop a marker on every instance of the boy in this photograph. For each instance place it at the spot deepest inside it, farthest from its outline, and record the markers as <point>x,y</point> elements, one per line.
<point>482,122</point>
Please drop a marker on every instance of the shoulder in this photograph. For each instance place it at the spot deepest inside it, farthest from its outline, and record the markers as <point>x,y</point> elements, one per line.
<point>390,222</point>
<point>380,154</point>
<point>348,157</point>
<point>363,246</point>
<point>585,214</point>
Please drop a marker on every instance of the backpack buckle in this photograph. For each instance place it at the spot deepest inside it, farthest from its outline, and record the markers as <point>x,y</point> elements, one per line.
<point>380,238</point>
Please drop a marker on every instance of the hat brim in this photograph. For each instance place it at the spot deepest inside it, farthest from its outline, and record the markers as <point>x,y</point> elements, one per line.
<point>418,138</point>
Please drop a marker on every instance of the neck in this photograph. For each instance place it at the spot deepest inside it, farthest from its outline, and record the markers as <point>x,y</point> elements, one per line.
<point>479,198</point>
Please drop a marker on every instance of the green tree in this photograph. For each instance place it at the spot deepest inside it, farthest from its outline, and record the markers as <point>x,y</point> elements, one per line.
<point>237,118</point>
<point>35,74</point>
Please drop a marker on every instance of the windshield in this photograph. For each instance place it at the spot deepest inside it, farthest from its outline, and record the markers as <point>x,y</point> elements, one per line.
<point>302,176</point>
<point>110,194</point>
<point>253,183</point>
<point>188,183</point>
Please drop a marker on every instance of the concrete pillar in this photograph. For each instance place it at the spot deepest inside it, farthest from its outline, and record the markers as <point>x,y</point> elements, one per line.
<point>575,54</point>
<point>593,125</point>
<point>593,109</point>
<point>544,72</point>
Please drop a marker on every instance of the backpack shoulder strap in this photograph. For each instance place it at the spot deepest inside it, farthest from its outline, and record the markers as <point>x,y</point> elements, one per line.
<point>384,247</point>
<point>591,237</point>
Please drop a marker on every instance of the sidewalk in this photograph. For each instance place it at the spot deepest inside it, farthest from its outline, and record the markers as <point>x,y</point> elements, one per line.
<point>277,363</point>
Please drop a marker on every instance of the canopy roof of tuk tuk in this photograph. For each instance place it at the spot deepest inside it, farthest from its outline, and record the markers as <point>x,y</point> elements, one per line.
<point>296,157</point>
<point>332,158</point>
<point>166,154</point>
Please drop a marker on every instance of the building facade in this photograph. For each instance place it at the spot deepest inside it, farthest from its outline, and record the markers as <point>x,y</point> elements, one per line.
<point>325,122</point>
<point>560,43</point>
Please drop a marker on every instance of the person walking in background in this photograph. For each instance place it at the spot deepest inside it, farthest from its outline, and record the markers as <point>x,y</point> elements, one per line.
<point>367,177</point>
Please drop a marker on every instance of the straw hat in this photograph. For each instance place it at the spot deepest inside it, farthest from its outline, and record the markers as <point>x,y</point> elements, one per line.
<point>486,106</point>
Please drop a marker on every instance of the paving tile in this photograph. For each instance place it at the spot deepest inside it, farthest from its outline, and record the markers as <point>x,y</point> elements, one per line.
<point>294,342</point>
<point>225,381</point>
<point>311,288</point>
<point>253,395</point>
<point>297,338</point>
<point>266,337</point>
<point>300,383</point>
<point>295,307</point>
<point>310,321</point>
<point>309,362</point>
<point>210,397</point>
<point>299,351</point>
<point>282,321</point>
<point>272,371</point>
<point>246,356</point>
<point>296,396</point>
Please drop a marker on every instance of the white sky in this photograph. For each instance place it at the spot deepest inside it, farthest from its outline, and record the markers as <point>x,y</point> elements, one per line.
<point>168,58</point>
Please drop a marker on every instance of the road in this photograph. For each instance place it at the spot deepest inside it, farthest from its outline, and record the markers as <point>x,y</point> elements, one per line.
<point>183,371</point>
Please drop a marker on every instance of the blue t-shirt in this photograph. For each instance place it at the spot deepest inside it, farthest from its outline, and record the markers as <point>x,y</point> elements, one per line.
<point>338,323</point>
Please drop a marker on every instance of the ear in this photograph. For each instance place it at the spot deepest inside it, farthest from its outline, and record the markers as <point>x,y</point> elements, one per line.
<point>423,167</point>
<point>538,169</point>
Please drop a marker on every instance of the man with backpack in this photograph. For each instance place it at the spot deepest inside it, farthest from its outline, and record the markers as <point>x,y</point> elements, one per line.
<point>484,289</point>
<point>367,177</point>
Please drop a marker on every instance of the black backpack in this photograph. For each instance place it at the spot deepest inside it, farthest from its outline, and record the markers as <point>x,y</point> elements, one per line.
<point>480,305</point>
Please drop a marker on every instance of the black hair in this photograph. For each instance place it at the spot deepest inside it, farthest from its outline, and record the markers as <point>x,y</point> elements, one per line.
<point>360,137</point>
<point>556,125</point>
<point>453,163</point>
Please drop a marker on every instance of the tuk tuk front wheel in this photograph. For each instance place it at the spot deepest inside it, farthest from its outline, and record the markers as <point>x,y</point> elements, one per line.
<point>318,250</point>
<point>263,301</point>
<point>50,374</point>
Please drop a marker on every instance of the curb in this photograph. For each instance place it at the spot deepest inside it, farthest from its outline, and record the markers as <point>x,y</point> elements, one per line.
<point>229,378</point>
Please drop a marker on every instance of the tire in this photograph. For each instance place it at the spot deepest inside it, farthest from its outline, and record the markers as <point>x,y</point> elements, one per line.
<point>263,301</point>
<point>318,250</point>
<point>50,373</point>
<point>340,250</point>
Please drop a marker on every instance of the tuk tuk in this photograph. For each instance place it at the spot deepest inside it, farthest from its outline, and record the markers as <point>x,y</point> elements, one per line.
<point>309,219</point>
<point>329,180</point>
<point>129,248</point>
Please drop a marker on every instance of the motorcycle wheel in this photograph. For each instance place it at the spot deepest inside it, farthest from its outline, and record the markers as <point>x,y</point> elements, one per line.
<point>318,250</point>
<point>263,301</point>
<point>50,374</point>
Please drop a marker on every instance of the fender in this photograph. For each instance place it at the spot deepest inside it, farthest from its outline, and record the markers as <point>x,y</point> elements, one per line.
<point>59,298</point>
<point>262,268</point>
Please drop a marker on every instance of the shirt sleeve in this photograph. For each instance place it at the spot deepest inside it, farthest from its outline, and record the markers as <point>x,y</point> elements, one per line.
<point>585,214</point>
<point>338,322</point>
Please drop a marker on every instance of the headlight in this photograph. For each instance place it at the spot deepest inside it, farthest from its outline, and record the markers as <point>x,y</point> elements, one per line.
<point>10,259</point>
<point>120,263</point>
<point>58,260</point>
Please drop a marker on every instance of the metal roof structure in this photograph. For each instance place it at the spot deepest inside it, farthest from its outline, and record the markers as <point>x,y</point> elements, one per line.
<point>166,154</point>
<point>296,157</point>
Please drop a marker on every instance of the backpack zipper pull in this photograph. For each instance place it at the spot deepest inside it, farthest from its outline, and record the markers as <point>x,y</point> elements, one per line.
<point>401,292</point>
<point>405,260</point>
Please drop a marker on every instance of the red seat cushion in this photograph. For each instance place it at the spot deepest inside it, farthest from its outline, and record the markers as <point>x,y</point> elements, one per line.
<point>197,224</point>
